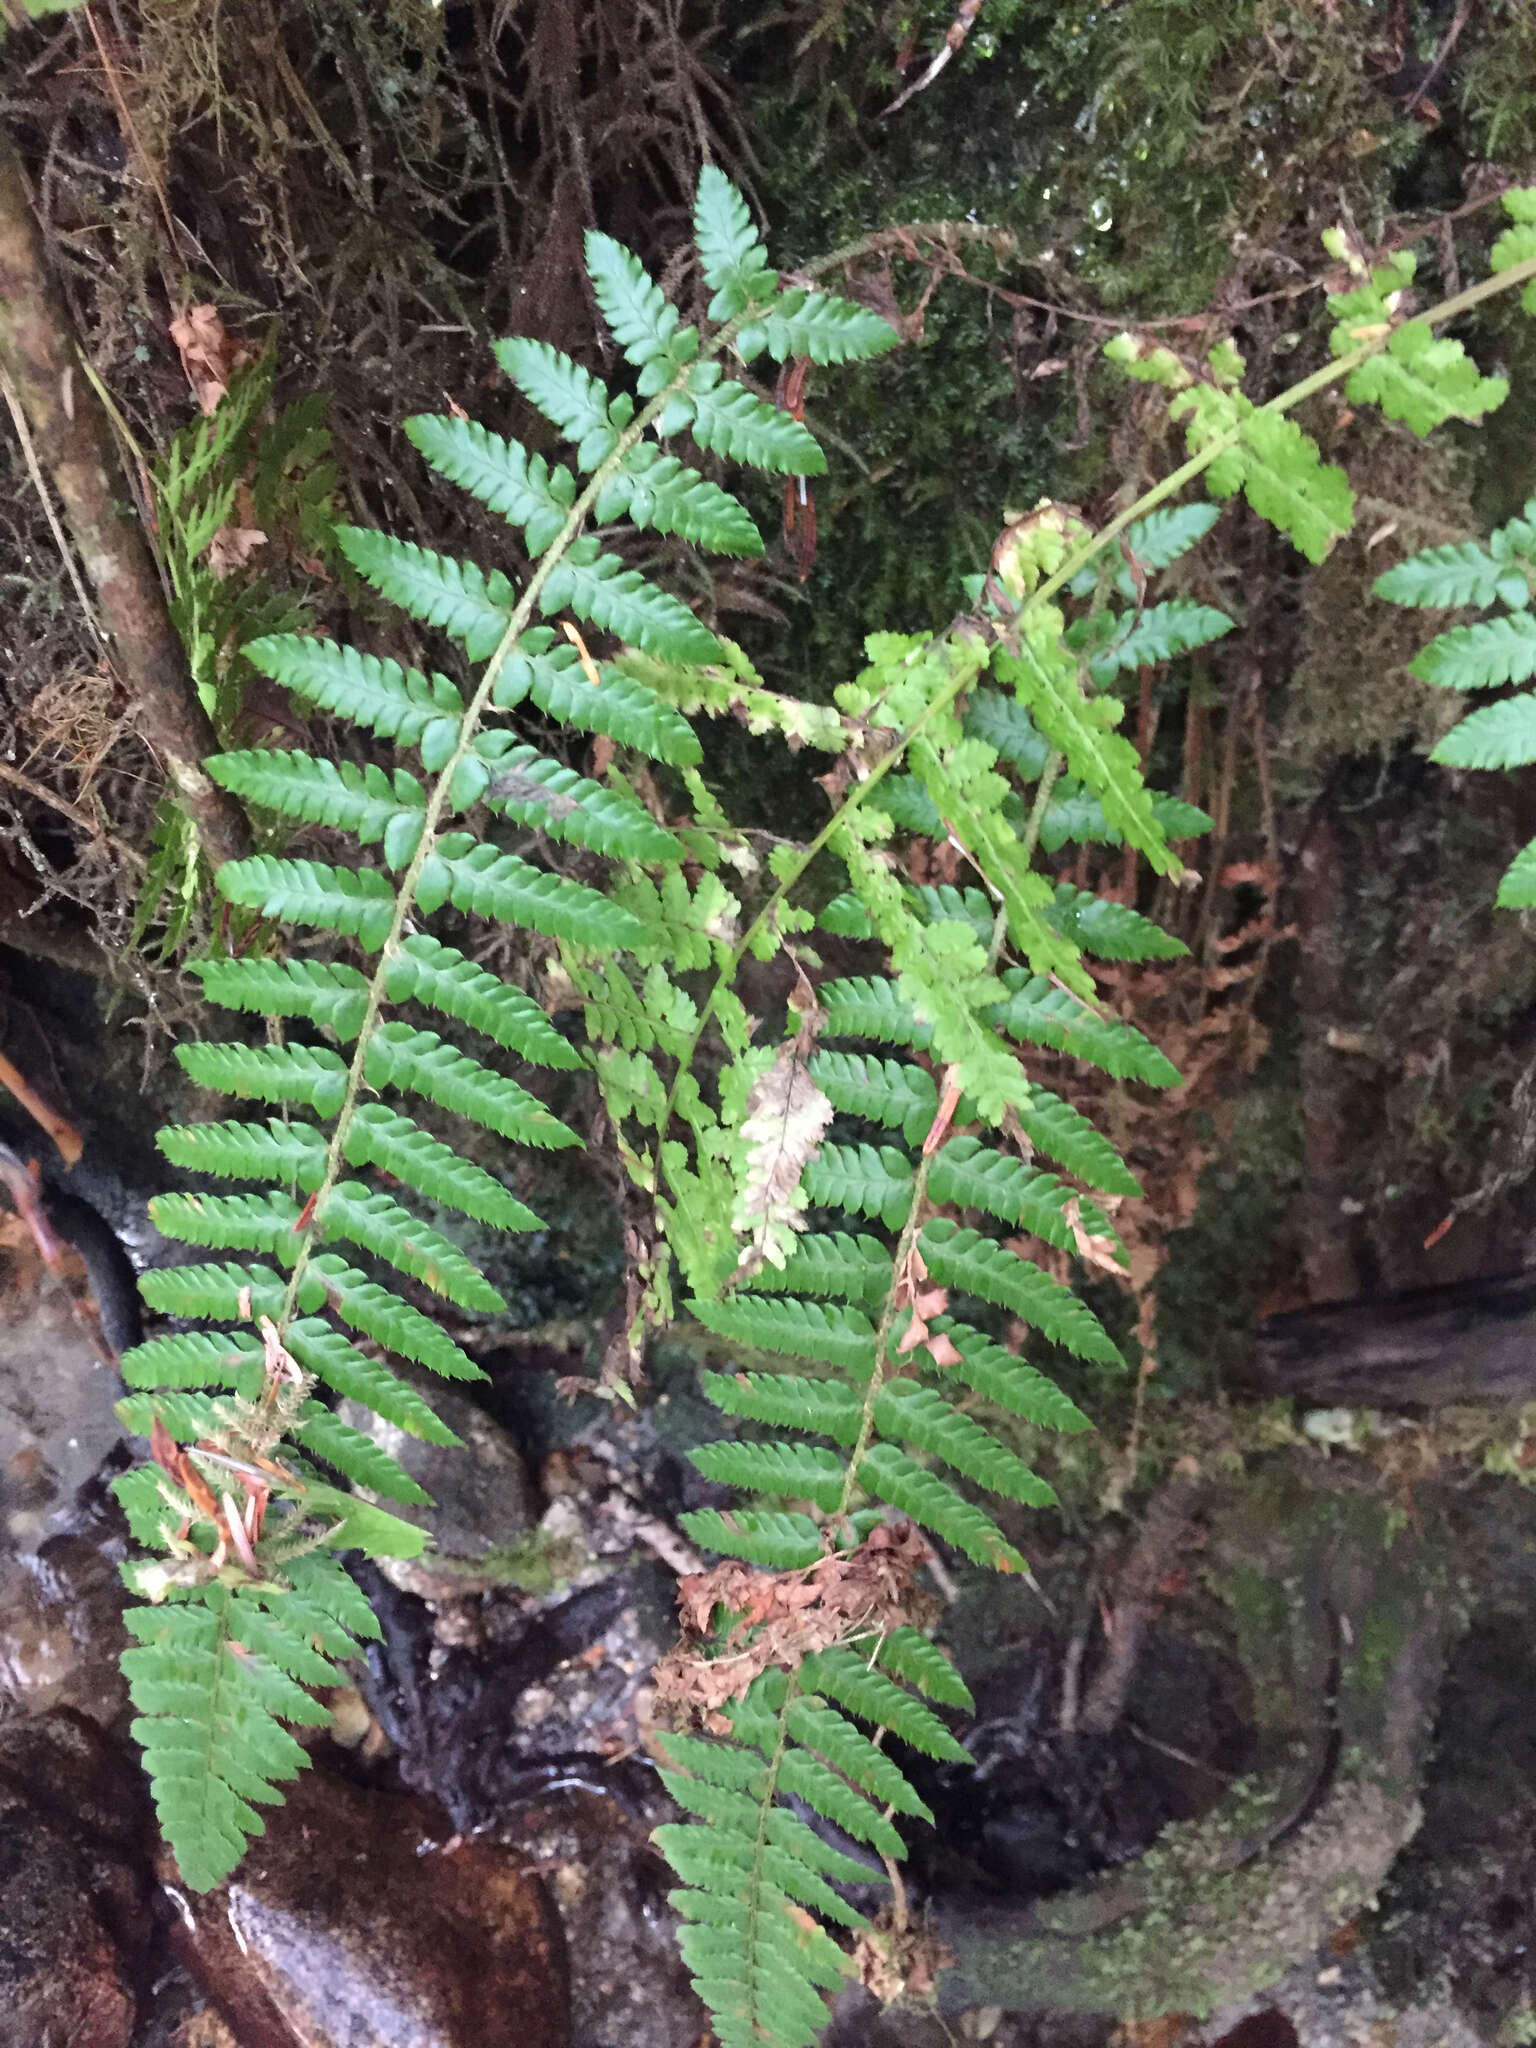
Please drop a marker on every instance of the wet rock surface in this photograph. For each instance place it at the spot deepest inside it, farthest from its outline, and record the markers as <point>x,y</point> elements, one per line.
<point>359,1919</point>
<point>74,1898</point>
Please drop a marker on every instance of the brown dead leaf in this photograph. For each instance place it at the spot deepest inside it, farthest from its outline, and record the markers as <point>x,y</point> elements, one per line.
<point>210,355</point>
<point>231,548</point>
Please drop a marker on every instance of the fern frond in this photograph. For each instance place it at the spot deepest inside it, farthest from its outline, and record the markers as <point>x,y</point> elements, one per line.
<point>232,1223</point>
<point>660,492</point>
<point>529,787</point>
<point>500,885</point>
<point>424,970</point>
<point>832,1334</point>
<point>208,1726</point>
<point>323,992</point>
<point>623,708</point>
<point>967,1260</point>
<point>833,1265</point>
<point>916,1415</point>
<point>397,703</point>
<point>1067,1136</point>
<point>1161,633</point>
<point>1052,1017</point>
<point>571,397</point>
<point>823,1730</point>
<point>729,420</point>
<point>1501,735</point>
<point>356,1456</point>
<point>774,1541</point>
<point>1480,657</point>
<point>974,1176</point>
<point>1109,930</point>
<point>474,608</point>
<point>869,1007</point>
<point>623,602</point>
<point>789,1401</point>
<point>886,1091</point>
<point>935,1505</point>
<point>818,325</point>
<point>382,1138</point>
<point>907,1655</point>
<point>290,1153</point>
<point>1010,1382</point>
<point>865,1179</point>
<point>276,1073</point>
<point>191,1358</point>
<point>521,487</point>
<point>358,902</point>
<point>639,316</point>
<point>367,802</point>
<point>214,1293</point>
<point>872,1696</point>
<point>348,1372</point>
<point>420,1062</point>
<point>387,1319</point>
<point>1517,891</point>
<point>731,252</point>
<point>791,1471</point>
<point>380,1225</point>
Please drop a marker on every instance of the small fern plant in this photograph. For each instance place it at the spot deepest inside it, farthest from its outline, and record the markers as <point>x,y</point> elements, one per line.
<point>864,1273</point>
<point>1487,653</point>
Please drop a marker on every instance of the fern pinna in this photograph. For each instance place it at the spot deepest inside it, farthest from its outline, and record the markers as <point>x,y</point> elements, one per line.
<point>850,1199</point>
<point>249,1603</point>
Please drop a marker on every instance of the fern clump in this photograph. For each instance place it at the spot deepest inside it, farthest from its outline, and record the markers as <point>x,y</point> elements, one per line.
<point>856,1191</point>
<point>249,1499</point>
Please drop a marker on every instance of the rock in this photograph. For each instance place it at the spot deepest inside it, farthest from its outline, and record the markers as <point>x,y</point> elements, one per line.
<point>348,1925</point>
<point>484,1503</point>
<point>1342,1622</point>
<point>74,1896</point>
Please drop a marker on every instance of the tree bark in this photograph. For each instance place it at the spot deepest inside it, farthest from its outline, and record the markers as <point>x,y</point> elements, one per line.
<point>1473,1341</point>
<point>73,439</point>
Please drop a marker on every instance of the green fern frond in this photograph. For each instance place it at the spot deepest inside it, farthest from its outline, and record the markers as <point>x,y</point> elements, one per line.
<point>355,1455</point>
<point>791,1471</point>
<point>997,1375</point>
<point>232,1223</point>
<point>832,1334</point>
<point>1501,735</point>
<point>622,602</point>
<point>731,421</point>
<point>1053,1017</point>
<point>640,318</point>
<point>381,1137</point>
<point>886,1091</point>
<point>967,1260</point>
<point>935,1505</point>
<point>421,1063</point>
<point>366,801</point>
<point>1480,657</point>
<point>660,492</point>
<point>521,487</point>
<point>323,992</point>
<point>974,1176</point>
<point>478,878</point>
<point>907,1655</point>
<point>326,1354</point>
<point>397,703</point>
<point>864,1179</point>
<point>569,396</point>
<point>424,970</point>
<point>845,1677</point>
<point>378,1224</point>
<point>359,903</point>
<point>919,1416</point>
<point>766,1537</point>
<point>1067,1136</point>
<point>789,1401</point>
<point>622,708</point>
<point>473,607</point>
<point>731,252</point>
<point>834,1265</point>
<point>277,1073</point>
<point>208,1725</point>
